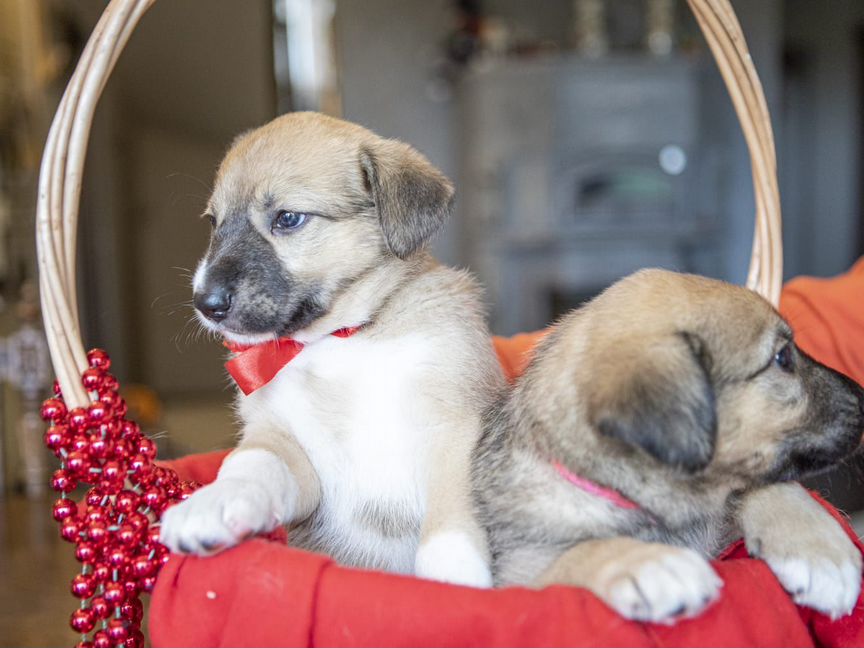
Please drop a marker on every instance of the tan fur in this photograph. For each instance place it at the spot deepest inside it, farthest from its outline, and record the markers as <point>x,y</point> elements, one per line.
<point>668,389</point>
<point>372,205</point>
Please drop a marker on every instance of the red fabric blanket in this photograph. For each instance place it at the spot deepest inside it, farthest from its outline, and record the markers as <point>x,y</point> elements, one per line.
<point>264,593</point>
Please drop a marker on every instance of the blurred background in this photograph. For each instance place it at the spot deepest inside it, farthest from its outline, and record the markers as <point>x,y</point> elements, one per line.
<point>587,138</point>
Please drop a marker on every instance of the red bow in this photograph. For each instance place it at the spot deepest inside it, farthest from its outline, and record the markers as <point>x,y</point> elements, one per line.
<point>256,365</point>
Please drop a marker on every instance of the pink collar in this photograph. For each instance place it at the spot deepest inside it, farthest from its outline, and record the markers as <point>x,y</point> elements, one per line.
<point>592,488</point>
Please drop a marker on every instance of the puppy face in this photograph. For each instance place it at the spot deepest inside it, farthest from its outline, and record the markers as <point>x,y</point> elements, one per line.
<point>705,377</point>
<point>303,208</point>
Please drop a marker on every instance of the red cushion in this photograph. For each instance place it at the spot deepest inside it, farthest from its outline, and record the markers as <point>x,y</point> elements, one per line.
<point>264,593</point>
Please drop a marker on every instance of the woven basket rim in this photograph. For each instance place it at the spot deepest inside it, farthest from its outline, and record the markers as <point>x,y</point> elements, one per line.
<point>65,150</point>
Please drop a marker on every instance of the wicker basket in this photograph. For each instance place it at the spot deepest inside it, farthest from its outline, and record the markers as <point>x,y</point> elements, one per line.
<point>65,152</point>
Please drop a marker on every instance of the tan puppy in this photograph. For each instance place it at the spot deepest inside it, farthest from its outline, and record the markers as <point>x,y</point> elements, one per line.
<point>361,444</point>
<point>653,427</point>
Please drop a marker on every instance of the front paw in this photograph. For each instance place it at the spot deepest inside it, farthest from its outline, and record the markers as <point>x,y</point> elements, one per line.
<point>218,516</point>
<point>451,557</point>
<point>657,583</point>
<point>808,551</point>
<point>823,573</point>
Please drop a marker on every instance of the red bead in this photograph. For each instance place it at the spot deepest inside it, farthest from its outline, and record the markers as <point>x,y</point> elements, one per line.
<point>62,481</point>
<point>147,448</point>
<point>78,419</point>
<point>100,607</point>
<point>70,530</point>
<point>82,620</point>
<point>153,535</point>
<point>126,501</point>
<point>142,566</point>
<point>111,384</point>
<point>115,594</point>
<point>117,630</point>
<point>127,536</point>
<point>121,408</point>
<point>132,588</point>
<point>98,359</point>
<point>54,410</point>
<point>130,430</point>
<point>79,443</point>
<point>85,552</point>
<point>135,639</point>
<point>55,437</point>
<point>79,465</point>
<point>92,379</point>
<point>132,610</point>
<point>97,532</point>
<point>154,498</point>
<point>140,466</point>
<point>98,412</point>
<point>64,508</point>
<point>95,514</point>
<point>113,471</point>
<point>117,557</point>
<point>55,387</point>
<point>95,497</point>
<point>138,521</point>
<point>101,572</point>
<point>102,640</point>
<point>99,448</point>
<point>148,583</point>
<point>83,586</point>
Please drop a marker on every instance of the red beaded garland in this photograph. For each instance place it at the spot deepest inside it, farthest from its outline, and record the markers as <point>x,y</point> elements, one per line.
<point>117,535</point>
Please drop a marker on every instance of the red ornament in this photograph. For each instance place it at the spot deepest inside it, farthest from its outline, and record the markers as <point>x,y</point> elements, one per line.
<point>114,593</point>
<point>117,630</point>
<point>102,640</point>
<point>92,379</point>
<point>98,359</point>
<point>115,540</point>
<point>85,552</point>
<point>78,419</point>
<point>53,410</point>
<point>83,586</point>
<point>101,608</point>
<point>62,481</point>
<point>70,530</point>
<point>64,508</point>
<point>82,620</point>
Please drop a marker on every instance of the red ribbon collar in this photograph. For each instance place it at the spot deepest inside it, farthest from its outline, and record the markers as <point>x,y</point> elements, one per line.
<point>255,365</point>
<point>593,488</point>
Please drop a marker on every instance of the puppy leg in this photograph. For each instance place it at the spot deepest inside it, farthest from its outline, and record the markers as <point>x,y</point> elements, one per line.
<point>265,482</point>
<point>807,550</point>
<point>452,546</point>
<point>639,580</point>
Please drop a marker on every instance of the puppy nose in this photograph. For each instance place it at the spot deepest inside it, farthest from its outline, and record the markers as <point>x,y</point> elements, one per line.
<point>214,305</point>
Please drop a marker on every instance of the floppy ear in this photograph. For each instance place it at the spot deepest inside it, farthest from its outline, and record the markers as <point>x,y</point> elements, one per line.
<point>657,395</point>
<point>412,197</point>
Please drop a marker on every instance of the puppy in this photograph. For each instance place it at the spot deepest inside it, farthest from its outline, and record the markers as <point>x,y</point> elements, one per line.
<point>362,442</point>
<point>655,425</point>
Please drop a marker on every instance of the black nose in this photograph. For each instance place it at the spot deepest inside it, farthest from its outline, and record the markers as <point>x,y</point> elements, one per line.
<point>214,305</point>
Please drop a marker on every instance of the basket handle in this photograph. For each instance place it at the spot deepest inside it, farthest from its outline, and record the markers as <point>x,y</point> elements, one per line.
<point>66,147</point>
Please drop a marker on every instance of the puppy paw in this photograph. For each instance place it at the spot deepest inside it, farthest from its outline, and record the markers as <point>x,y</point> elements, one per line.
<point>451,557</point>
<point>657,583</point>
<point>218,516</point>
<point>808,551</point>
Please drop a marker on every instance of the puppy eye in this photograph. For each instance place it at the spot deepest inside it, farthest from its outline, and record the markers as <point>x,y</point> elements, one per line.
<point>211,219</point>
<point>287,220</point>
<point>784,359</point>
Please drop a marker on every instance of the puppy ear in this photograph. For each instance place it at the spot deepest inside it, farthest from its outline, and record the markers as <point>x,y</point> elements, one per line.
<point>413,198</point>
<point>658,396</point>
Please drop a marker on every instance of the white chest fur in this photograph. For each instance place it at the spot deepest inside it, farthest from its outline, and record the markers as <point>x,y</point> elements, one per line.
<point>355,406</point>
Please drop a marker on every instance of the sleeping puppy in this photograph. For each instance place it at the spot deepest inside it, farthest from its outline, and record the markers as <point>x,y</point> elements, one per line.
<point>655,425</point>
<point>362,442</point>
